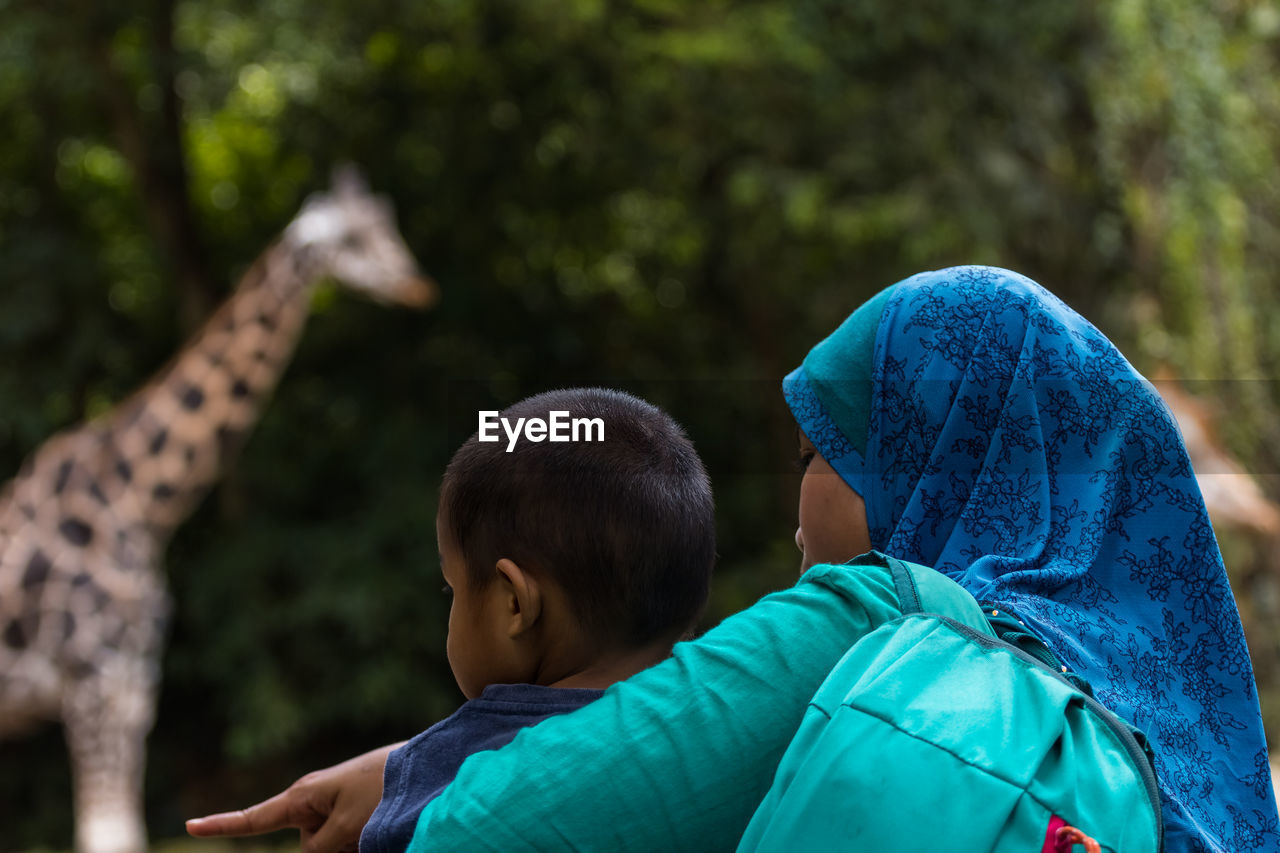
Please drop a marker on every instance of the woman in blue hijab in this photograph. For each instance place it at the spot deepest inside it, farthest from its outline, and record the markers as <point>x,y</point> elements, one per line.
<point>979,426</point>
<point>997,436</point>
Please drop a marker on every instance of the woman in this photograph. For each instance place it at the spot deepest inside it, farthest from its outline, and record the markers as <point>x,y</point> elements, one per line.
<point>979,426</point>
<point>1010,446</point>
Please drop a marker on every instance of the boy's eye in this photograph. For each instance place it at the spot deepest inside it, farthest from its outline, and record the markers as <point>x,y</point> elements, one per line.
<point>447,590</point>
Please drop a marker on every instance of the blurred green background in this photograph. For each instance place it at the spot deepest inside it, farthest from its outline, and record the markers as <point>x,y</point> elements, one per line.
<point>676,198</point>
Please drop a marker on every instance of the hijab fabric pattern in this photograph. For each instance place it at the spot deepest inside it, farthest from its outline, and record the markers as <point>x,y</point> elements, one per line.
<point>1014,449</point>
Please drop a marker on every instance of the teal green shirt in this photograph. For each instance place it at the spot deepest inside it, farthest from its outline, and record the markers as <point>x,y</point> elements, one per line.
<point>678,756</point>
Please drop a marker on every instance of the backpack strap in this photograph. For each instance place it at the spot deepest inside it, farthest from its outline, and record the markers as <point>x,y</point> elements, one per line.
<point>905,584</point>
<point>1004,622</point>
<point>1012,630</point>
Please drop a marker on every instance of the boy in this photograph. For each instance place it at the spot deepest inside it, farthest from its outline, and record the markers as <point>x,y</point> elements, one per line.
<point>572,565</point>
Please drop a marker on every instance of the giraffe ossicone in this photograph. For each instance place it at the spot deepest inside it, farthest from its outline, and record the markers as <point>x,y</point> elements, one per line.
<point>84,524</point>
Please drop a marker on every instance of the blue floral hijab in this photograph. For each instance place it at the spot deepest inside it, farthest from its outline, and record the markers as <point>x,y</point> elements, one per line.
<point>1013,448</point>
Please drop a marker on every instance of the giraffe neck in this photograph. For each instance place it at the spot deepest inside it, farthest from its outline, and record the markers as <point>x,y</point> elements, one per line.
<point>174,437</point>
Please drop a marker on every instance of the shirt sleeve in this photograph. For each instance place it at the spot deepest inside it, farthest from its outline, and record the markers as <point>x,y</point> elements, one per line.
<point>678,756</point>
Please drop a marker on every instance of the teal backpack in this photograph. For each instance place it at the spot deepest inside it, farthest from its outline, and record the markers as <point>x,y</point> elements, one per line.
<point>931,735</point>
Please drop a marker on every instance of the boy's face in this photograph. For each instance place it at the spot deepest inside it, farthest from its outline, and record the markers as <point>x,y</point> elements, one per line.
<point>833,517</point>
<point>479,652</point>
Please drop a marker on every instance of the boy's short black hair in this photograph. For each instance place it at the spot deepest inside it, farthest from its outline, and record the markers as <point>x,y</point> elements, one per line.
<point>624,526</point>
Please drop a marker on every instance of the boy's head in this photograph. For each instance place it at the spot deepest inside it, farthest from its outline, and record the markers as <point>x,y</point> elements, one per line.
<point>606,545</point>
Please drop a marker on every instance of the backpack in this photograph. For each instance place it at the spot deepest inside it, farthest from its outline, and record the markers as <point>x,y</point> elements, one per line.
<point>932,735</point>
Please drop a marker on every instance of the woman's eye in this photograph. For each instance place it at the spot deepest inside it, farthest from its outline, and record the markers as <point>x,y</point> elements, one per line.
<point>802,462</point>
<point>447,590</point>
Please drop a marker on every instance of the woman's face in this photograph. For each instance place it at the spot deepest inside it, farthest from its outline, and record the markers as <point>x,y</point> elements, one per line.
<point>833,517</point>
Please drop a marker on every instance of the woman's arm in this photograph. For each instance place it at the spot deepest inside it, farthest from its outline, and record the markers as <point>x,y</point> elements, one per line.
<point>678,757</point>
<point>329,807</point>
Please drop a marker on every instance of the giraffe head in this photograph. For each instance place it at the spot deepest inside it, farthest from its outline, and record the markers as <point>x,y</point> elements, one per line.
<point>350,234</point>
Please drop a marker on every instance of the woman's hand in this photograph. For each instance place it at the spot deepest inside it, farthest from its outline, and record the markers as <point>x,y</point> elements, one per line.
<point>329,807</point>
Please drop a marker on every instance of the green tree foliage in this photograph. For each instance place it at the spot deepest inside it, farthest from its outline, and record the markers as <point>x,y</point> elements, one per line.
<point>1187,105</point>
<point>675,198</point>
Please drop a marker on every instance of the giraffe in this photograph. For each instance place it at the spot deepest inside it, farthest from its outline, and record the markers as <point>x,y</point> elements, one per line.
<point>84,525</point>
<point>1233,497</point>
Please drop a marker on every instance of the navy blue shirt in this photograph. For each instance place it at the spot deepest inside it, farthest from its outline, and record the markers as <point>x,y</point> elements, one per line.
<point>417,772</point>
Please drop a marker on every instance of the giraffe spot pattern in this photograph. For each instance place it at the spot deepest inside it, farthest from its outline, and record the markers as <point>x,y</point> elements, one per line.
<point>14,636</point>
<point>158,442</point>
<point>124,470</point>
<point>163,492</point>
<point>21,630</point>
<point>97,597</point>
<point>37,571</point>
<point>81,669</point>
<point>191,398</point>
<point>76,531</point>
<point>64,474</point>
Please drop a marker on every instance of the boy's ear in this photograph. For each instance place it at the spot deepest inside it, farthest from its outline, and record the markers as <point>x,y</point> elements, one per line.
<point>523,597</point>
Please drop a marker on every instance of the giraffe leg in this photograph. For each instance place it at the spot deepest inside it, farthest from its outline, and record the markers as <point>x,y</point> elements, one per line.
<point>107,716</point>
